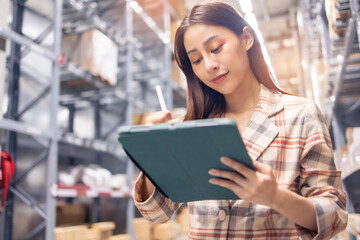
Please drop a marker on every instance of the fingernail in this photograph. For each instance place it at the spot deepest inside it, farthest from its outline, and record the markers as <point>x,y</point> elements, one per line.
<point>212,181</point>
<point>211,171</point>
<point>224,159</point>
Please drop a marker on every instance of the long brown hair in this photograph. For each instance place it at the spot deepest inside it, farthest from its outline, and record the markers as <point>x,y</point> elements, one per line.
<point>203,101</point>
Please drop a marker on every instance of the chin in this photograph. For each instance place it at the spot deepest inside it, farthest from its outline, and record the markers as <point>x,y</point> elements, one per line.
<point>224,91</point>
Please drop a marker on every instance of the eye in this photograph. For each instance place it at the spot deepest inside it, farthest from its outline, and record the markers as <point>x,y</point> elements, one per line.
<point>216,50</point>
<point>197,61</point>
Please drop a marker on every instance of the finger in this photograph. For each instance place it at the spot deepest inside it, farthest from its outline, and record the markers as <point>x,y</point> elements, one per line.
<point>262,168</point>
<point>173,121</point>
<point>226,184</point>
<point>158,117</point>
<point>232,176</point>
<point>239,167</point>
<point>168,116</point>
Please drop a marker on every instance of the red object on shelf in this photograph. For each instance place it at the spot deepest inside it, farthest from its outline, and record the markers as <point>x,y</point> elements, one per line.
<point>61,59</point>
<point>7,172</point>
<point>79,188</point>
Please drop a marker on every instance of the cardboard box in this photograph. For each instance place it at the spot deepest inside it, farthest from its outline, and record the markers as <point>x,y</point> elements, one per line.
<point>142,229</point>
<point>104,229</point>
<point>95,52</point>
<point>71,233</point>
<point>92,234</point>
<point>121,237</point>
<point>166,231</point>
<point>140,119</point>
<point>183,219</point>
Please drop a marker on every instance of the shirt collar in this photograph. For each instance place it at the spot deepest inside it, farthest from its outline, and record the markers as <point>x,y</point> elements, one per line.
<point>270,101</point>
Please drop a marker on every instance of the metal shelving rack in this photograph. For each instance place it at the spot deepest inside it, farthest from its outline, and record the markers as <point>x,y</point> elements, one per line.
<point>340,53</point>
<point>341,105</point>
<point>13,124</point>
<point>339,49</point>
<point>344,96</point>
<point>136,65</point>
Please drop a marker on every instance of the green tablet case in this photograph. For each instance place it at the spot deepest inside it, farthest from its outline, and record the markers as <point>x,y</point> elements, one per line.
<point>177,157</point>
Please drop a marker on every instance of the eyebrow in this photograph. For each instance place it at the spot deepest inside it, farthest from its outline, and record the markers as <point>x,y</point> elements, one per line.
<point>206,42</point>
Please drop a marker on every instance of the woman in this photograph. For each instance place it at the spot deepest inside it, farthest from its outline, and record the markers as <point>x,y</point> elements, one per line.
<point>296,190</point>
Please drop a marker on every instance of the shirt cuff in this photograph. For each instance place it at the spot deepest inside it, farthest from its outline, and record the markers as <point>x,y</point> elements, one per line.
<point>330,217</point>
<point>137,191</point>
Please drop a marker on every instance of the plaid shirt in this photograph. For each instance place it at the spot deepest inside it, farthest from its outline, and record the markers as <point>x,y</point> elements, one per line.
<point>290,134</point>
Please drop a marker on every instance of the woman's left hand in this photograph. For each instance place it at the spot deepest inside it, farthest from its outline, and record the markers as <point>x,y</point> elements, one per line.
<point>258,186</point>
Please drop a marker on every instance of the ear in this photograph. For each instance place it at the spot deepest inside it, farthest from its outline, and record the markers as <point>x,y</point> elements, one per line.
<point>248,37</point>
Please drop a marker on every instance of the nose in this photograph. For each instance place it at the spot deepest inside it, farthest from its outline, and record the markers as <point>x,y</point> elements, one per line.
<point>211,64</point>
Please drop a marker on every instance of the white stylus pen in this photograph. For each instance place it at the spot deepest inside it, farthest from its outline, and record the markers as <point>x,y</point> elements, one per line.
<point>161,98</point>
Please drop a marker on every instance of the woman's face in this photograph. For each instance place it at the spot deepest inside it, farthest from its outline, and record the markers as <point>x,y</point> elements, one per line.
<point>218,56</point>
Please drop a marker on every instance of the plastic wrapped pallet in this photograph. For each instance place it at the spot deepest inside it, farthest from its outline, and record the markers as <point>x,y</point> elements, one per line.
<point>94,52</point>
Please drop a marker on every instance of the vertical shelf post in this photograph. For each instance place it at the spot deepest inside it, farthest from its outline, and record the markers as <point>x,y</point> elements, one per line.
<point>167,57</point>
<point>52,164</point>
<point>12,110</point>
<point>129,108</point>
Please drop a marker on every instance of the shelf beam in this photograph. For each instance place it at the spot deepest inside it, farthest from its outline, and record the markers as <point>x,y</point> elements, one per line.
<point>28,200</point>
<point>24,41</point>
<point>34,101</point>
<point>39,159</point>
<point>12,125</point>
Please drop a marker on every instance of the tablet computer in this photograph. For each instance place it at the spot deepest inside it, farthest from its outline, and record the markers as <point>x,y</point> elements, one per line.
<point>177,157</point>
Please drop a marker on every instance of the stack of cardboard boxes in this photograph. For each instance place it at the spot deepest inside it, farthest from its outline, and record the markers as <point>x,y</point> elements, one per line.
<point>94,52</point>
<point>71,218</point>
<point>171,230</point>
<point>96,231</point>
<point>71,226</point>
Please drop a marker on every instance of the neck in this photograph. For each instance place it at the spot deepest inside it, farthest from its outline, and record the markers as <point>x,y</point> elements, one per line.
<point>245,98</point>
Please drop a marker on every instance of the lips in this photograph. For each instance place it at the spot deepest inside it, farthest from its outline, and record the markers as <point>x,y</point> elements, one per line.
<point>218,79</point>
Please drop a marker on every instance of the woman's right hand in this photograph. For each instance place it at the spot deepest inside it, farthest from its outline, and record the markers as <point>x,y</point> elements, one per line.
<point>158,117</point>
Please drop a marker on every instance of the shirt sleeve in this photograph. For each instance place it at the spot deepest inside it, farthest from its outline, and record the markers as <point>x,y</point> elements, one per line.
<point>157,208</point>
<point>320,180</point>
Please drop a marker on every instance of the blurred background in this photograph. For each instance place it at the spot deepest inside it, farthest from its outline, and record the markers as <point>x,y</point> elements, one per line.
<point>73,71</point>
